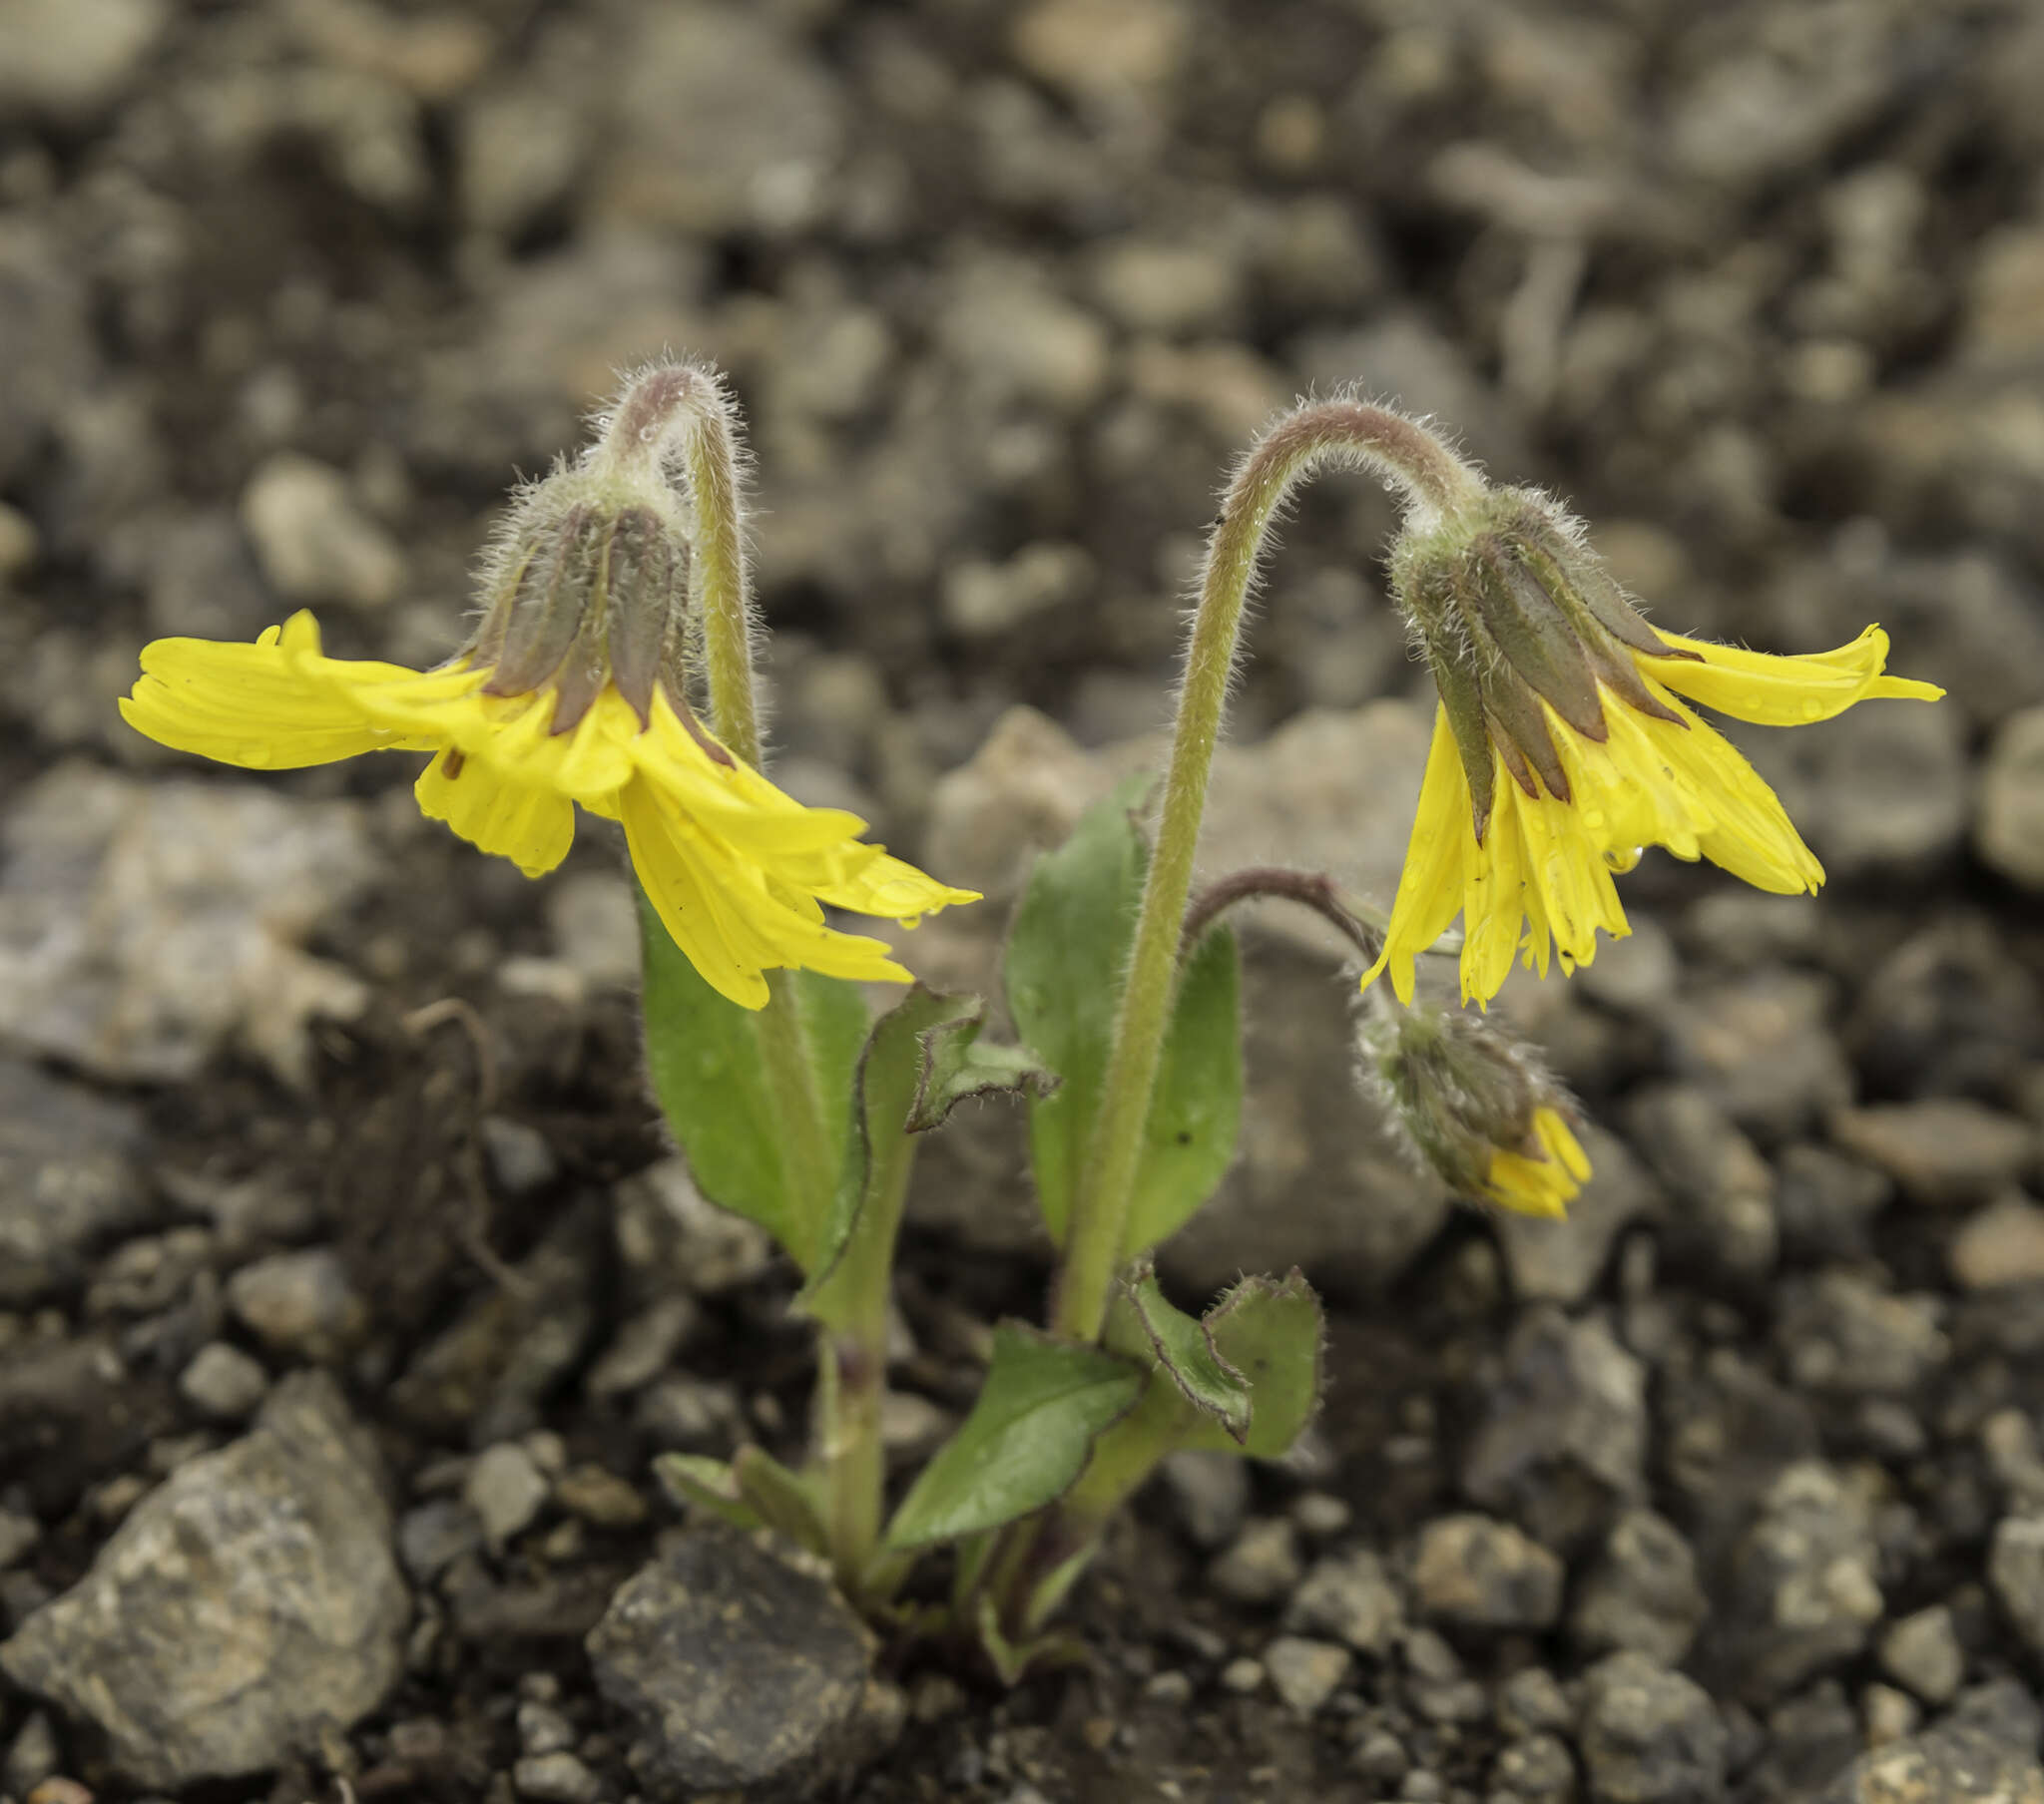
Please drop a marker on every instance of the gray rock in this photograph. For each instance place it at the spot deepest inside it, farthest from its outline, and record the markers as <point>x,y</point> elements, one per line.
<point>733,1668</point>
<point>434,1534</point>
<point>555,1778</point>
<point>521,1162</point>
<point>67,1179</point>
<point>506,1490</point>
<point>1824,1204</point>
<point>1842,1333</point>
<point>1349,1598</point>
<point>2000,1245</point>
<point>1944,1151</point>
<point>1723,1189</point>
<point>1474,1571</point>
<point>542,1729</point>
<point>150,1273</point>
<point>299,1302</point>
<point>984,600</point>
<point>1262,1567</point>
<point>1305,1673</point>
<point>1802,1594</point>
<point>1014,340</point>
<point>1209,1494</point>
<point>1923,1652</point>
<point>1764,1049</point>
<point>203,583</point>
<point>1561,1261</point>
<point>223,1381</point>
<point>1650,1736</point>
<point>44,319</point>
<point>32,1756</point>
<point>1953,1764</point>
<point>644,1346</point>
<point>315,545</point>
<point>144,926</point>
<point>19,1532</point>
<point>69,60</point>
<point>1532,1702</point>
<point>2008,830</point>
<point>671,1238</point>
<point>1642,1595</point>
<point>520,146</point>
<point>2015,1573</point>
<point>273,1555</point>
<point>1563,1441</point>
<point>1536,1769</point>
<point>720,122</point>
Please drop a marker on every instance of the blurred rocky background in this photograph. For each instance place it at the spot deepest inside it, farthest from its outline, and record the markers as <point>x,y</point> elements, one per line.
<point>338,1249</point>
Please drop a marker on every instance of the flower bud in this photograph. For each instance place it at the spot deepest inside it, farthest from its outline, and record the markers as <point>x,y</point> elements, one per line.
<point>1476,1107</point>
<point>1512,610</point>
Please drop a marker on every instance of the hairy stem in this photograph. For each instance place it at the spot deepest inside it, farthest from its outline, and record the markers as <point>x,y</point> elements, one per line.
<point>1431,480</point>
<point>680,414</point>
<point>1310,889</point>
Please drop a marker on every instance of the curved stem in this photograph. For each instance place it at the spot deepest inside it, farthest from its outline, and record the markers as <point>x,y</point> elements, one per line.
<point>1310,889</point>
<point>1432,480</point>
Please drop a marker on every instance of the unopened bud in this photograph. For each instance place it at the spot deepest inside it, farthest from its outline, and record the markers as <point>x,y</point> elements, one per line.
<point>587,584</point>
<point>1476,1107</point>
<point>1513,610</point>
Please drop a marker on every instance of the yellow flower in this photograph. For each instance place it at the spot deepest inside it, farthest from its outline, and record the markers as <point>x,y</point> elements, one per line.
<point>737,869</point>
<point>1564,746</point>
<point>1542,1176</point>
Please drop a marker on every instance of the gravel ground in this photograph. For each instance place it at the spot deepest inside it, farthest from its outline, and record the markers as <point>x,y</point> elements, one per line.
<point>346,1291</point>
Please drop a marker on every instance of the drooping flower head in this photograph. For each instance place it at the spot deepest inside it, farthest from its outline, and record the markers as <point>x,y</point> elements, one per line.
<point>1564,744</point>
<point>1476,1107</point>
<point>573,688</point>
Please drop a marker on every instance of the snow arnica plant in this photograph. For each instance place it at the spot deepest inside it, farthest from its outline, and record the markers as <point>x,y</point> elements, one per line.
<point>616,620</point>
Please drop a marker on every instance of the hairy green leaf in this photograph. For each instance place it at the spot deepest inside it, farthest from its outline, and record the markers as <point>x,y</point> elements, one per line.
<point>1025,1441</point>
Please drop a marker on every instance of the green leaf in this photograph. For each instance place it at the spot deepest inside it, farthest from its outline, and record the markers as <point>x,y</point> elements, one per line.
<point>1025,1441</point>
<point>754,1490</point>
<point>703,1051</point>
<point>704,1484</point>
<point>959,1065</point>
<point>1066,957</point>
<point>1195,1115</point>
<point>1186,1355</point>
<point>885,1090</point>
<point>782,1498</point>
<point>1270,1332</point>
<point>1066,954</point>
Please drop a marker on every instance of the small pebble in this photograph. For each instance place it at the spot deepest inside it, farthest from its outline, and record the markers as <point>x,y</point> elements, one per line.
<point>1888,1714</point>
<point>542,1729</point>
<point>506,1490</point>
<point>1262,1567</point>
<point>1174,1689</point>
<point>223,1381</point>
<point>555,1779</point>
<point>1305,1673</point>
<point>1923,1652</point>
<point>18,1533</point>
<point>1242,1675</point>
<point>600,1497</point>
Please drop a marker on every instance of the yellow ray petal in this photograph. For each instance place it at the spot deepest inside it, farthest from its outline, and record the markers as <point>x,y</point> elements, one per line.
<point>261,707</point>
<point>1785,690</point>
<point>1443,844</point>
<point>533,827</point>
